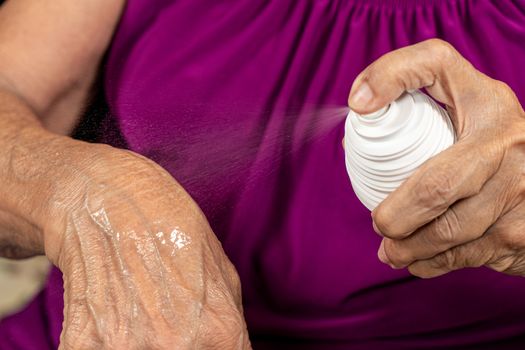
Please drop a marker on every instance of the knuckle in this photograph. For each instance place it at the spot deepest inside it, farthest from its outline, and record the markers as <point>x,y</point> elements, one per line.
<point>503,88</point>
<point>457,258</point>
<point>447,260</point>
<point>509,102</point>
<point>437,190</point>
<point>442,50</point>
<point>446,227</point>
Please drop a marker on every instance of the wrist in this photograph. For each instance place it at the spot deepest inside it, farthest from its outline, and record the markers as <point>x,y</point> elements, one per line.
<point>29,173</point>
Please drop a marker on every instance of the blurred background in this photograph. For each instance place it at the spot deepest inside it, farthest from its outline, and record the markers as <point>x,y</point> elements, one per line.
<point>20,281</point>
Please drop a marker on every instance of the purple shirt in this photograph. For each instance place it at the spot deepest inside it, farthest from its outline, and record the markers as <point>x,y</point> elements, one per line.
<point>223,93</point>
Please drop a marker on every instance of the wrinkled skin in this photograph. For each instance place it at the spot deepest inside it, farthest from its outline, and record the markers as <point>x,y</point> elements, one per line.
<point>464,207</point>
<point>142,268</point>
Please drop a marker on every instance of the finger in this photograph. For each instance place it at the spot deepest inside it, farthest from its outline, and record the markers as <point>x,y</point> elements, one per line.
<point>456,173</point>
<point>79,329</point>
<point>463,222</point>
<point>473,254</point>
<point>433,63</point>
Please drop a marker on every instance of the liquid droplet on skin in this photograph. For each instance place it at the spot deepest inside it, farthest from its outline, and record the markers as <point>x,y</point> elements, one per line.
<point>100,217</point>
<point>179,238</point>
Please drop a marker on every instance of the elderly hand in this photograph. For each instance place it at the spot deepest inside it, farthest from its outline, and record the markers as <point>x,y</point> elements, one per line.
<point>142,268</point>
<point>466,206</point>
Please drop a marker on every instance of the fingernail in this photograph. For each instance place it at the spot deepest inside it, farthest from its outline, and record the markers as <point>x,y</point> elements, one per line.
<point>381,254</point>
<point>361,97</point>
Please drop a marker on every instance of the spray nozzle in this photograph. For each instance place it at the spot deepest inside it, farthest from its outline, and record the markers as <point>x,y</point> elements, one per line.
<point>376,114</point>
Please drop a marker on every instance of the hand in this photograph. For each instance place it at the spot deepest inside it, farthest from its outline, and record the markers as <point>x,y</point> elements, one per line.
<point>465,207</point>
<point>142,268</point>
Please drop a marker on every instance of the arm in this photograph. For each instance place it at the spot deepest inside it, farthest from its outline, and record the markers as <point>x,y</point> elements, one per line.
<point>49,54</point>
<point>142,268</point>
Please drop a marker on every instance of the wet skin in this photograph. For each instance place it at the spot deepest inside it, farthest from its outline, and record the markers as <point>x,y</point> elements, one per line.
<point>142,268</point>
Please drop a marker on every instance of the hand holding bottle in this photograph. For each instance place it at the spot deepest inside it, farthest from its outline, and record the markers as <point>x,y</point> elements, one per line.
<point>466,206</point>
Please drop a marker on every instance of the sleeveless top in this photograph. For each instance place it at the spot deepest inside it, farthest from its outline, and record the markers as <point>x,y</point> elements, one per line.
<point>240,101</point>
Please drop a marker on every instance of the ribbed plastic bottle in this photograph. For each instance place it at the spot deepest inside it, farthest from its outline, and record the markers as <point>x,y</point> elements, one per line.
<point>384,148</point>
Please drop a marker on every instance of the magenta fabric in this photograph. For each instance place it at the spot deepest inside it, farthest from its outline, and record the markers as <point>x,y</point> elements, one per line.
<point>183,73</point>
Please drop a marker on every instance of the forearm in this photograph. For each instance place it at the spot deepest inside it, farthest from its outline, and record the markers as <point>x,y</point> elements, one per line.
<point>49,56</point>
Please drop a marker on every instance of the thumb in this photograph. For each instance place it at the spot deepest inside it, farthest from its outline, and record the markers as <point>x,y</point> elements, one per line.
<point>433,64</point>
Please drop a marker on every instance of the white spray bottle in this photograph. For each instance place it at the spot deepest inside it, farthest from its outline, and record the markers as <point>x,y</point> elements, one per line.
<point>384,148</point>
